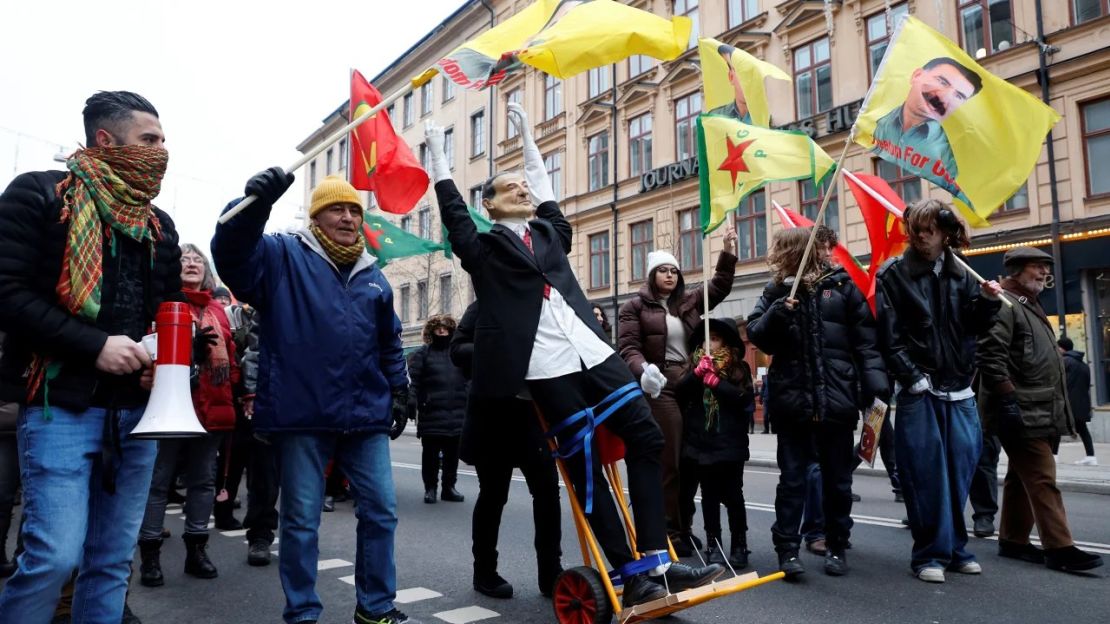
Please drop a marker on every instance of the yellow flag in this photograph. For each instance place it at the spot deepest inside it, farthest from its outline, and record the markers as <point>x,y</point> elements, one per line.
<point>564,38</point>
<point>937,114</point>
<point>735,159</point>
<point>733,82</point>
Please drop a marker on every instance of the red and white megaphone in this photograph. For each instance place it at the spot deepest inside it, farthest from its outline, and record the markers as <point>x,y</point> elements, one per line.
<point>169,413</point>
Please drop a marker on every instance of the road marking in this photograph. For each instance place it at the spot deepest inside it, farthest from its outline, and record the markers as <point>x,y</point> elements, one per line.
<point>415,594</point>
<point>235,533</point>
<point>173,512</point>
<point>466,615</point>
<point>276,540</point>
<point>350,580</point>
<point>328,564</point>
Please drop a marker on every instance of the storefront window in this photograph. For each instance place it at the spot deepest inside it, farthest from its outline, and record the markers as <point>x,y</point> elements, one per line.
<point>1100,361</point>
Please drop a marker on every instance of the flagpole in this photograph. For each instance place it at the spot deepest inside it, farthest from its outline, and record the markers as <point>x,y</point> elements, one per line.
<point>820,213</point>
<point>705,287</point>
<point>336,136</point>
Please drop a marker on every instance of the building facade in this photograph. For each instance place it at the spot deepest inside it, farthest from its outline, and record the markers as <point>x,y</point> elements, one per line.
<point>619,142</point>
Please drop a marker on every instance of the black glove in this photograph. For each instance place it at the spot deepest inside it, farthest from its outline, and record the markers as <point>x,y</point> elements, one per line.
<point>1009,414</point>
<point>205,339</point>
<point>269,185</point>
<point>400,410</point>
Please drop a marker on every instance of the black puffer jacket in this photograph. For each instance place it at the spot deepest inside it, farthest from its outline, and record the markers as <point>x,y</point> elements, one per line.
<point>725,440</point>
<point>1079,385</point>
<point>32,243</point>
<point>437,396</point>
<point>825,365</point>
<point>931,323</point>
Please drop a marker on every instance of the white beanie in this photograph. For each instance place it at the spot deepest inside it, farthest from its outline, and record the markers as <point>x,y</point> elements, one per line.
<point>659,258</point>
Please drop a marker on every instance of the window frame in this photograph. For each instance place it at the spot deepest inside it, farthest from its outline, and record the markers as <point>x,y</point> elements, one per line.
<point>640,64</point>
<point>599,80</point>
<point>640,143</point>
<point>638,245</point>
<point>695,261</point>
<point>1085,136</point>
<point>691,132</point>
<point>427,97</point>
<point>446,293</point>
<point>899,182</point>
<point>988,37</point>
<point>343,153</point>
<point>406,308</point>
<point>329,161</point>
<point>422,308</point>
<point>747,224</point>
<point>812,69</point>
<point>739,5</point>
<point>804,204</point>
<point>449,146</point>
<point>424,222</point>
<point>870,43</point>
<point>602,258</point>
<point>690,11</point>
<point>597,156</point>
<point>1104,10</point>
<point>555,174</point>
<point>516,95</point>
<point>409,110</point>
<point>478,133</point>
<point>552,97</point>
<point>448,90</point>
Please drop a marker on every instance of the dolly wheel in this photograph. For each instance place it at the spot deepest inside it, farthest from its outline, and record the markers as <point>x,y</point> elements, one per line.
<point>580,598</point>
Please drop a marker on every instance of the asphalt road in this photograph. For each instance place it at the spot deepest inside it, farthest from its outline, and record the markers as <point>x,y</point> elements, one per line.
<point>434,569</point>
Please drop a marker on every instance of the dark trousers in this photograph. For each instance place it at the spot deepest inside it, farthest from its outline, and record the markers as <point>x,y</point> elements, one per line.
<point>262,492</point>
<point>433,446</point>
<point>983,493</point>
<point>687,490</point>
<point>494,477</point>
<point>9,485</point>
<point>668,416</point>
<point>831,446</point>
<point>723,484</point>
<point>232,458</point>
<point>561,397</point>
<point>1085,435</point>
<point>1030,495</point>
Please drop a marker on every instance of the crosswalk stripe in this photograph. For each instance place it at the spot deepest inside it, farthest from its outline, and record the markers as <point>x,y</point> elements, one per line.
<point>235,533</point>
<point>414,594</point>
<point>328,564</point>
<point>466,615</point>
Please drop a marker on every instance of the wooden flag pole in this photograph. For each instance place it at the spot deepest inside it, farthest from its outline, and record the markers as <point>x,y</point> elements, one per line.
<point>820,213</point>
<point>335,137</point>
<point>978,278</point>
<point>705,287</point>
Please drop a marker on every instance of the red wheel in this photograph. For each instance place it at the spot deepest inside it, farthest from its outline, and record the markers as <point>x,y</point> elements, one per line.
<point>580,598</point>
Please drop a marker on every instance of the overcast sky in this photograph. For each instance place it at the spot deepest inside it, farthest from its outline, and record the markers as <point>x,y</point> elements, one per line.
<point>237,83</point>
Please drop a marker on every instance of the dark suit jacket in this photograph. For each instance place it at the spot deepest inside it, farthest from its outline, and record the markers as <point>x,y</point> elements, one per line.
<point>508,280</point>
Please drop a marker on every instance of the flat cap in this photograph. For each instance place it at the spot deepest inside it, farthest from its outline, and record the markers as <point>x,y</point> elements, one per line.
<point>1023,255</point>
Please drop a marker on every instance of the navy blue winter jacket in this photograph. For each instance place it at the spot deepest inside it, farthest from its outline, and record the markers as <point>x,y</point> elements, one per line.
<point>330,346</point>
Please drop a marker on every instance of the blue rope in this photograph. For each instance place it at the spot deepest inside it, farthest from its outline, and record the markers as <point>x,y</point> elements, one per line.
<point>643,564</point>
<point>582,440</point>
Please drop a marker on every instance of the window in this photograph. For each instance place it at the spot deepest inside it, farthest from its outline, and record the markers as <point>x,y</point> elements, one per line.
<point>449,147</point>
<point>514,96</point>
<point>445,294</point>
<point>406,223</point>
<point>409,112</point>
<point>812,78</point>
<point>476,197</point>
<point>426,99</point>
<point>425,215</point>
<point>639,64</point>
<point>1018,202</point>
<point>424,160</point>
<point>879,32</point>
<point>391,110</point>
<point>478,133</point>
<point>421,300</point>
<point>1096,145</point>
<point>685,125</point>
<point>689,8</point>
<point>811,203</point>
<point>1087,10</point>
<point>329,161</point>
<point>405,311</point>
<point>599,260</point>
<point>553,162</point>
<point>639,144</point>
<point>740,11</point>
<point>598,160</point>
<point>448,89</point>
<point>689,239</point>
<point>986,26</point>
<point>751,227</point>
<point>342,154</point>
<point>642,240</point>
<point>552,97</point>
<point>312,174</point>
<point>599,80</point>
<point>907,186</point>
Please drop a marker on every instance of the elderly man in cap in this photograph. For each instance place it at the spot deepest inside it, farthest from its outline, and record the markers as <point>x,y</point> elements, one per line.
<point>1023,397</point>
<point>331,380</point>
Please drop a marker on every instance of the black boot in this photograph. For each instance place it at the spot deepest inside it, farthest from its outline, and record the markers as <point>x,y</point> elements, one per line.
<point>790,564</point>
<point>681,577</point>
<point>451,495</point>
<point>430,496</point>
<point>197,562</point>
<point>150,570</point>
<point>258,552</point>
<point>129,617</point>
<point>738,555</point>
<point>487,581</point>
<point>639,588</point>
<point>546,575</point>
<point>225,517</point>
<point>713,552</point>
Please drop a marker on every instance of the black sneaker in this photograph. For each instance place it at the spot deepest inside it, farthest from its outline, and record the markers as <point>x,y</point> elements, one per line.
<point>836,564</point>
<point>393,616</point>
<point>1071,559</point>
<point>790,564</point>
<point>639,589</point>
<point>681,577</point>
<point>451,495</point>
<point>258,553</point>
<point>1021,552</point>
<point>491,584</point>
<point>430,497</point>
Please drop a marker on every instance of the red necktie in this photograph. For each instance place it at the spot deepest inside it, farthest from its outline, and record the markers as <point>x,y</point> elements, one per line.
<point>528,244</point>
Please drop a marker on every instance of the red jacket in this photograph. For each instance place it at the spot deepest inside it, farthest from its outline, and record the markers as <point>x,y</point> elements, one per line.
<point>214,396</point>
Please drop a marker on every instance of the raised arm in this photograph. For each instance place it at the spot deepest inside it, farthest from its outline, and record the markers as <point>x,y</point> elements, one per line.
<point>461,231</point>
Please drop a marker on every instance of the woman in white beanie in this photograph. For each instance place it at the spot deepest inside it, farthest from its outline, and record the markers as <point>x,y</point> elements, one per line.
<point>653,331</point>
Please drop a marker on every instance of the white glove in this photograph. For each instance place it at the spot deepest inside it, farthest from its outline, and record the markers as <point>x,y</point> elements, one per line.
<point>921,385</point>
<point>535,173</point>
<point>652,381</point>
<point>433,137</point>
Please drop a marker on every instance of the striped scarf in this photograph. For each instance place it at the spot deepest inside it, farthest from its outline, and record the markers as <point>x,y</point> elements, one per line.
<point>341,255</point>
<point>722,360</point>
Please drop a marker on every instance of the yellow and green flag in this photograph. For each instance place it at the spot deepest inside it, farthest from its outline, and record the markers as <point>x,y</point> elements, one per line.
<point>735,159</point>
<point>564,38</point>
<point>937,114</point>
<point>733,82</point>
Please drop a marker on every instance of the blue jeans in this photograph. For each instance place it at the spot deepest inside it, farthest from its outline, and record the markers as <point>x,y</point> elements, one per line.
<point>937,449</point>
<point>813,517</point>
<point>70,522</point>
<point>364,460</point>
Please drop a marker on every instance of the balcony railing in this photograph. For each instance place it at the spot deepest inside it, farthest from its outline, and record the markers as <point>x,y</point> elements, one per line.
<point>551,126</point>
<point>509,145</point>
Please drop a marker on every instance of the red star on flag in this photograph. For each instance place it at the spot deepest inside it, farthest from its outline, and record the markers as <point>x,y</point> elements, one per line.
<point>734,162</point>
<point>372,236</point>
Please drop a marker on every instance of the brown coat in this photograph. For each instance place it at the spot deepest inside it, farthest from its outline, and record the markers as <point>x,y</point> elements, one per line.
<point>642,329</point>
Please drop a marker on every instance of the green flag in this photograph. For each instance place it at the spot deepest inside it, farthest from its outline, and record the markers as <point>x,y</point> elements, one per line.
<point>388,242</point>
<point>480,221</point>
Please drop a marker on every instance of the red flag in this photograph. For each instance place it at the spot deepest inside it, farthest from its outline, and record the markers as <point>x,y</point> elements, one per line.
<point>882,210</point>
<point>791,219</point>
<point>381,161</point>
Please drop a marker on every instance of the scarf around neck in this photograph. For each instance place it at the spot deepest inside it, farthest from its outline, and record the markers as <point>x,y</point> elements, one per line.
<point>722,360</point>
<point>341,255</point>
<point>217,368</point>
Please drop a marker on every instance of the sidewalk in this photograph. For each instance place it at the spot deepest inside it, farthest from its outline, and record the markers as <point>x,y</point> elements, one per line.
<point>1069,477</point>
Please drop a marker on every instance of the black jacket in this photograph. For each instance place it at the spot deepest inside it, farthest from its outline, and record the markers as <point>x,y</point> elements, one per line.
<point>437,392</point>
<point>495,429</point>
<point>931,322</point>
<point>726,440</point>
<point>509,281</point>
<point>825,365</point>
<point>1079,385</point>
<point>32,243</point>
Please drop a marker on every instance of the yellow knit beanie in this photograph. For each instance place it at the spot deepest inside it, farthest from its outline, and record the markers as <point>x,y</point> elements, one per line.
<point>333,190</point>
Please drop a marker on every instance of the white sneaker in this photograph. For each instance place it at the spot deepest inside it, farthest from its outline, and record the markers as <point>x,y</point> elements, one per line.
<point>1089,460</point>
<point>931,575</point>
<point>971,567</point>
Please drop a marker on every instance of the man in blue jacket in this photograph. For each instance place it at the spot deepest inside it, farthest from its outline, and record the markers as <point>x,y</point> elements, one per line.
<point>331,380</point>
